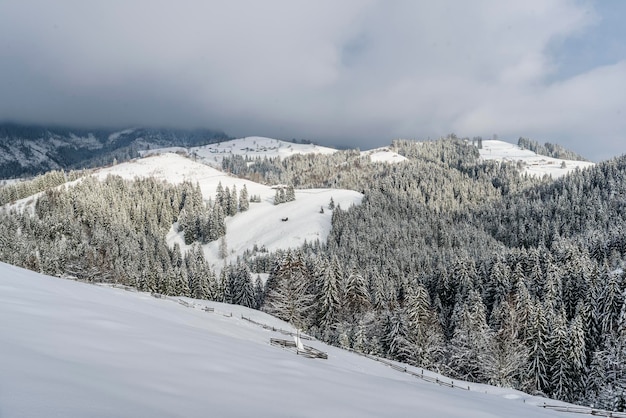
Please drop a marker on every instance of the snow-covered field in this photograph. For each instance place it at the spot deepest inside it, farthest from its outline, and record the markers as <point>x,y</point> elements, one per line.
<point>533,164</point>
<point>70,349</point>
<point>383,155</point>
<point>262,225</point>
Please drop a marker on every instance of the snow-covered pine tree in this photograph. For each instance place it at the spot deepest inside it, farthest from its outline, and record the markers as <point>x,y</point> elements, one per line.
<point>242,288</point>
<point>244,200</point>
<point>424,331</point>
<point>233,201</point>
<point>328,300</point>
<point>471,340</point>
<point>287,296</point>
<point>290,194</point>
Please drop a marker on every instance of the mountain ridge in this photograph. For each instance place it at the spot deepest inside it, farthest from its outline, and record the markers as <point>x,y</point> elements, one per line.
<point>34,149</point>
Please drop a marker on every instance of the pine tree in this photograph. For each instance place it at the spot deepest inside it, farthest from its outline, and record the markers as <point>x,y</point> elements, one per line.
<point>259,293</point>
<point>220,198</point>
<point>288,297</point>
<point>396,337</point>
<point>244,201</point>
<point>424,330</point>
<point>329,298</point>
<point>506,357</point>
<point>242,288</point>
<point>232,202</point>
<point>356,296</point>
<point>471,339</point>
<point>561,380</point>
<point>290,194</point>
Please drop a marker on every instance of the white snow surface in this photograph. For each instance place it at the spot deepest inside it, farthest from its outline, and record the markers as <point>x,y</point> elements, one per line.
<point>262,225</point>
<point>384,155</point>
<point>70,349</point>
<point>533,164</point>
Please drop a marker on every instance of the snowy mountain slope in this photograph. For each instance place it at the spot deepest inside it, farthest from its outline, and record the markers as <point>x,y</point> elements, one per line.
<point>533,164</point>
<point>260,147</point>
<point>75,350</point>
<point>252,146</point>
<point>262,224</point>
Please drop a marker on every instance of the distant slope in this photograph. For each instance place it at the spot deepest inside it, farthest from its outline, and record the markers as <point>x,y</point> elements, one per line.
<point>28,150</point>
<point>383,155</point>
<point>550,150</point>
<point>254,147</point>
<point>531,162</point>
<point>262,225</point>
<point>75,350</point>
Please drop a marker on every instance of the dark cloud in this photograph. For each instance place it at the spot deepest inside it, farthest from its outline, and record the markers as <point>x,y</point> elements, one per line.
<point>348,73</point>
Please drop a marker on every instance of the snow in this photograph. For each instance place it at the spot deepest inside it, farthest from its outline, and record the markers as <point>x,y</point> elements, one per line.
<point>262,224</point>
<point>261,147</point>
<point>534,164</point>
<point>252,146</point>
<point>71,349</point>
<point>384,155</point>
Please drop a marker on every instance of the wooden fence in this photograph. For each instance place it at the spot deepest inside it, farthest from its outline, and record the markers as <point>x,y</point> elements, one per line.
<point>585,410</point>
<point>306,351</point>
<point>279,330</point>
<point>403,369</point>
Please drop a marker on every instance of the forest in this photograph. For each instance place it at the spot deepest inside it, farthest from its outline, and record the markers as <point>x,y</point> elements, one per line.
<point>450,263</point>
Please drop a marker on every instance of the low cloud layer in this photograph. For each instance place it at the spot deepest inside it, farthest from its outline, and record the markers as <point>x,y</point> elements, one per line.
<point>354,72</point>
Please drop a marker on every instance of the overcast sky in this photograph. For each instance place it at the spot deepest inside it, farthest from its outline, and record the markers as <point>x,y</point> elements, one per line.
<point>349,72</point>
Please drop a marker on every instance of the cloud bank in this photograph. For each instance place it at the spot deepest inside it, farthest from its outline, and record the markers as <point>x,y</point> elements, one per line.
<point>355,72</point>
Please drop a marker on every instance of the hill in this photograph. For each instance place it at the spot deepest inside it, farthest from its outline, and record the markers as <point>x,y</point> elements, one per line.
<point>530,162</point>
<point>74,350</point>
<point>262,225</point>
<point>257,148</point>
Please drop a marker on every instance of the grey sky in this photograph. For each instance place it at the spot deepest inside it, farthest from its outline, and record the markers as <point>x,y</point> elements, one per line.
<point>354,72</point>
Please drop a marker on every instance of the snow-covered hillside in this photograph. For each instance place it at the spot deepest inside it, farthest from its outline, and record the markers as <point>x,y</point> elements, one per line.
<point>71,349</point>
<point>383,155</point>
<point>252,146</point>
<point>533,164</point>
<point>262,225</point>
<point>260,147</point>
